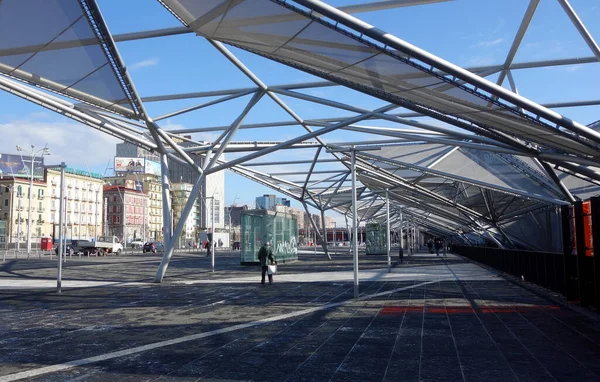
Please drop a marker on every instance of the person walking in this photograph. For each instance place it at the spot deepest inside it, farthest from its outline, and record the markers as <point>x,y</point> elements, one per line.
<point>208,248</point>
<point>401,254</point>
<point>438,246</point>
<point>266,254</point>
<point>430,245</point>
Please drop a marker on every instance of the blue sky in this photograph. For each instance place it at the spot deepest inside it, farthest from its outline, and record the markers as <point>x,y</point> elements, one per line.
<point>464,32</point>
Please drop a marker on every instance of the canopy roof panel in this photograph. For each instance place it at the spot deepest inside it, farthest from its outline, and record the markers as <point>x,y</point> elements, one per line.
<point>63,46</point>
<point>315,45</point>
<point>457,154</point>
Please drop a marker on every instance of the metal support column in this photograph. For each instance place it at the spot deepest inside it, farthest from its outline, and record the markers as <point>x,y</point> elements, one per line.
<point>212,230</point>
<point>401,231</point>
<point>166,204</point>
<point>354,225</point>
<point>324,241</point>
<point>387,220</point>
<point>61,208</point>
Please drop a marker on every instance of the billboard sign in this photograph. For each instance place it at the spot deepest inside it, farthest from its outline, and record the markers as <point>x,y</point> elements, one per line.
<point>129,164</point>
<point>20,167</point>
<point>152,168</point>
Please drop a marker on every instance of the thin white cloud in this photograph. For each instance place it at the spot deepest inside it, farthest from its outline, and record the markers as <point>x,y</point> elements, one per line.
<point>573,68</point>
<point>77,145</point>
<point>144,64</point>
<point>489,43</point>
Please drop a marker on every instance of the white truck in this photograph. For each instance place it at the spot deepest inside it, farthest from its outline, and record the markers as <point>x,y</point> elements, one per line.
<point>104,245</point>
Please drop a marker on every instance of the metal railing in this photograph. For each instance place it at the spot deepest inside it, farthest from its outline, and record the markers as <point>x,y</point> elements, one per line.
<point>546,269</point>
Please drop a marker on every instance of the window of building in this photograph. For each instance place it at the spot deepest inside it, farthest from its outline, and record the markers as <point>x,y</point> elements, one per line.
<point>5,202</point>
<point>6,189</point>
<point>115,199</point>
<point>19,191</point>
<point>41,193</point>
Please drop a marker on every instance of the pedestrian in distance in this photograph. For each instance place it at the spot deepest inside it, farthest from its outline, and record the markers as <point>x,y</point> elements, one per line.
<point>265,256</point>
<point>208,248</point>
<point>401,254</point>
<point>438,246</point>
<point>430,245</point>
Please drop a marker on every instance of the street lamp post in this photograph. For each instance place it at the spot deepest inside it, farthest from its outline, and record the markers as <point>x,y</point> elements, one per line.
<point>62,207</point>
<point>43,151</point>
<point>334,238</point>
<point>212,229</point>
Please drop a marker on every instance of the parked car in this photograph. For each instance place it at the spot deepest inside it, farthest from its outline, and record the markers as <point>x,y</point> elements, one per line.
<point>68,250</point>
<point>153,246</point>
<point>237,245</point>
<point>136,244</point>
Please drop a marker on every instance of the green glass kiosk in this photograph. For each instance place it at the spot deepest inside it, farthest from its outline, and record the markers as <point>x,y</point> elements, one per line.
<point>259,226</point>
<point>376,239</point>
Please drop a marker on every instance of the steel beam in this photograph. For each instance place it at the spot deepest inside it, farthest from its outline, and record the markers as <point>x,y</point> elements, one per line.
<point>438,63</point>
<point>517,40</point>
<point>589,40</point>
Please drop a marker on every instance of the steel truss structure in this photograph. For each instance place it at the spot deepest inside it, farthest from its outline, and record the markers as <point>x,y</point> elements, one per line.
<point>448,151</point>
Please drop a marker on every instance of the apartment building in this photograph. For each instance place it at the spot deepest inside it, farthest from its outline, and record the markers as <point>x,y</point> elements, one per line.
<point>126,213</point>
<point>151,185</point>
<point>15,210</point>
<point>84,201</point>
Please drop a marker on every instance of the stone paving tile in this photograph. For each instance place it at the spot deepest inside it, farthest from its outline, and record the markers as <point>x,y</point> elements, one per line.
<point>455,329</point>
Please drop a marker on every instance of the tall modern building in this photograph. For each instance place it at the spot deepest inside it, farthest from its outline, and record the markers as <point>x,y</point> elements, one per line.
<point>213,185</point>
<point>268,202</point>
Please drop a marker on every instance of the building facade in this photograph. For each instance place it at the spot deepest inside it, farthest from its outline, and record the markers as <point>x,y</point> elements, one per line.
<point>233,215</point>
<point>15,207</point>
<point>268,202</point>
<point>83,194</point>
<point>83,206</point>
<point>151,185</point>
<point>180,193</point>
<point>213,185</point>
<point>126,213</point>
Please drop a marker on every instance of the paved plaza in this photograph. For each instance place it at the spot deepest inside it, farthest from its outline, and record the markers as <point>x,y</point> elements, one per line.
<point>429,319</point>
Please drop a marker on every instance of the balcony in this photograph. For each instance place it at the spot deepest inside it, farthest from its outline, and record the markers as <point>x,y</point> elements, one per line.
<point>39,222</point>
<point>40,197</point>
<point>41,209</point>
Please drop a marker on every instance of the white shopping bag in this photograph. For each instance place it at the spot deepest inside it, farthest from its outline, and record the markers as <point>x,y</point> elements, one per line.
<point>272,270</point>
